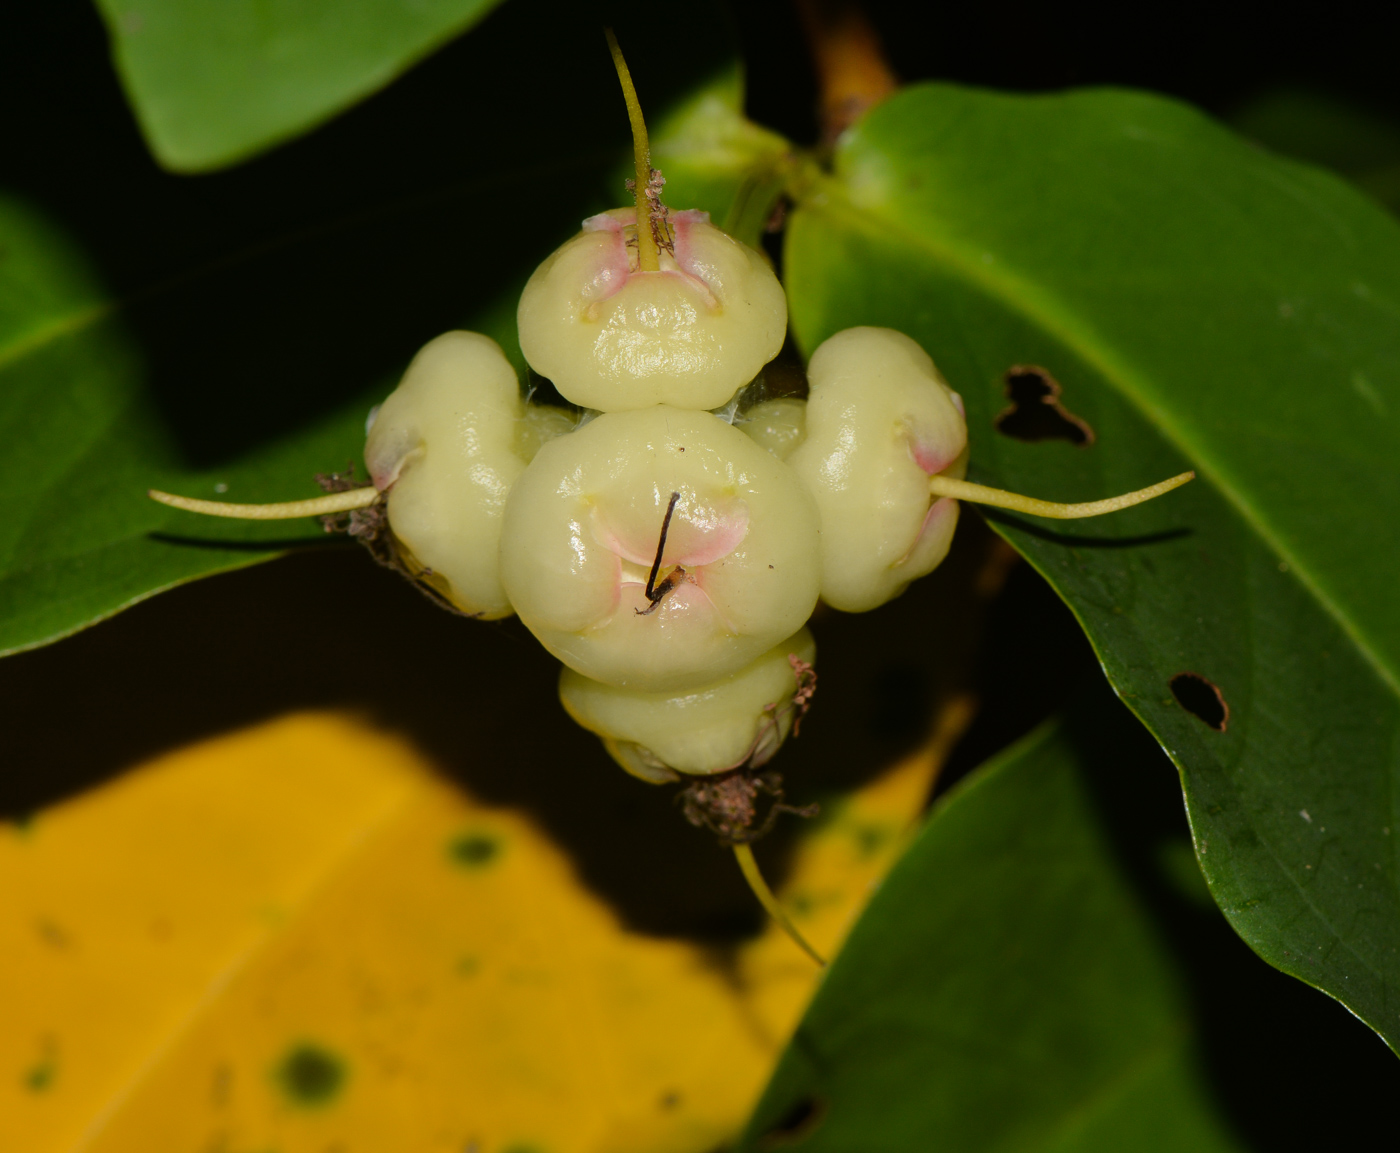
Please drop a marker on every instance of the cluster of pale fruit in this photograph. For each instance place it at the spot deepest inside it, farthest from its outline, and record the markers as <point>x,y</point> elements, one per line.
<point>669,537</point>
<point>669,544</point>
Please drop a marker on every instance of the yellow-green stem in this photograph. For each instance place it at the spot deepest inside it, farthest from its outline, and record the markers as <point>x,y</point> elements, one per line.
<point>981,494</point>
<point>648,259</point>
<point>288,510</point>
<point>760,888</point>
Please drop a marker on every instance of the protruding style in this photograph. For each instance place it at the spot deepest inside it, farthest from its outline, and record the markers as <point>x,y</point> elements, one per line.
<point>650,214</point>
<point>945,486</point>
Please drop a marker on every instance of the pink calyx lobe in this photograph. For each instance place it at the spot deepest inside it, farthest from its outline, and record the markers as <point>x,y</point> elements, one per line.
<point>618,265</point>
<point>933,456</point>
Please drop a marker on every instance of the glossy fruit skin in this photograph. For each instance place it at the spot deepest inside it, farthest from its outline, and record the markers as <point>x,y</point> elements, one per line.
<point>614,338</point>
<point>741,719</point>
<point>778,425</point>
<point>880,420</point>
<point>581,532</point>
<point>448,444</point>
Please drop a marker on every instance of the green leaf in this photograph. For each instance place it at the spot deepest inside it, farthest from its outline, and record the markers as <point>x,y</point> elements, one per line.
<point>215,83</point>
<point>91,428</point>
<point>86,441</point>
<point>1004,990</point>
<point>1205,305</point>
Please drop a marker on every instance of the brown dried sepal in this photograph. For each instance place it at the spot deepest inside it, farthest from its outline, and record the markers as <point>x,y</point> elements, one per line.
<point>658,215</point>
<point>727,804</point>
<point>370,526</point>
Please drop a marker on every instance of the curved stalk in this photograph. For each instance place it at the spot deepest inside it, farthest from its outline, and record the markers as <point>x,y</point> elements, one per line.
<point>1000,498</point>
<point>287,510</point>
<point>648,258</point>
<point>744,854</point>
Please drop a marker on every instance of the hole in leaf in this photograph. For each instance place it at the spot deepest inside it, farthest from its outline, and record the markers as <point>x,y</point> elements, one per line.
<point>310,1075</point>
<point>1035,412</point>
<point>1202,699</point>
<point>797,1124</point>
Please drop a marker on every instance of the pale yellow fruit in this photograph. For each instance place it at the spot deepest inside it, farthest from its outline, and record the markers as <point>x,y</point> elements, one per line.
<point>778,425</point>
<point>448,444</point>
<point>612,337</point>
<point>740,720</point>
<point>581,532</point>
<point>880,422</point>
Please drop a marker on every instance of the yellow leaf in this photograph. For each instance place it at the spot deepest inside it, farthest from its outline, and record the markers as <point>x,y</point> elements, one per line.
<point>298,937</point>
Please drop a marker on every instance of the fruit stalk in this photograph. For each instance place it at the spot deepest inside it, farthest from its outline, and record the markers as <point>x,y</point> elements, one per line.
<point>744,854</point>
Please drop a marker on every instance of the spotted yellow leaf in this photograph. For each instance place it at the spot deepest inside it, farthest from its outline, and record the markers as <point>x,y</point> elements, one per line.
<point>299,937</point>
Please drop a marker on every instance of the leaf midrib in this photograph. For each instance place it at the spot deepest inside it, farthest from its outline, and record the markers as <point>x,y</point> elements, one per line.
<point>828,196</point>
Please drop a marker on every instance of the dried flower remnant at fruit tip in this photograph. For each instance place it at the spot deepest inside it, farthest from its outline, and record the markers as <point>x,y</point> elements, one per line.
<point>727,804</point>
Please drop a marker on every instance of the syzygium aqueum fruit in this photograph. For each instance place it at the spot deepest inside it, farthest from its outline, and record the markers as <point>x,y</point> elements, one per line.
<point>447,444</point>
<point>778,425</point>
<point>879,422</point>
<point>669,558</point>
<point>739,571</point>
<point>690,334</point>
<point>740,720</point>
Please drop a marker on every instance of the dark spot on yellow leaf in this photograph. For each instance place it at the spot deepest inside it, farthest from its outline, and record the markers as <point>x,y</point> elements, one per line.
<point>797,1124</point>
<point>1035,412</point>
<point>671,1099</point>
<point>40,1077</point>
<point>467,966</point>
<point>222,1085</point>
<point>473,850</point>
<point>870,839</point>
<point>522,1149</point>
<point>52,933</point>
<point>310,1075</point>
<point>1201,699</point>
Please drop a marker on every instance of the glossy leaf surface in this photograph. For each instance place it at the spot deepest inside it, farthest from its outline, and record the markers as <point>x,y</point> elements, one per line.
<point>299,935</point>
<point>1206,305</point>
<point>1003,991</point>
<point>212,84</point>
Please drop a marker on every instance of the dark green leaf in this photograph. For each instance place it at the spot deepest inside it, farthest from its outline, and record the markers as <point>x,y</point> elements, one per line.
<point>214,83</point>
<point>1206,305</point>
<point>1003,991</point>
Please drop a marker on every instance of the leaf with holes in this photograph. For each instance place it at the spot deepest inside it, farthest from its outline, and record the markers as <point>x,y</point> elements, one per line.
<point>101,399</point>
<point>1004,990</point>
<point>213,84</point>
<point>1201,304</point>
